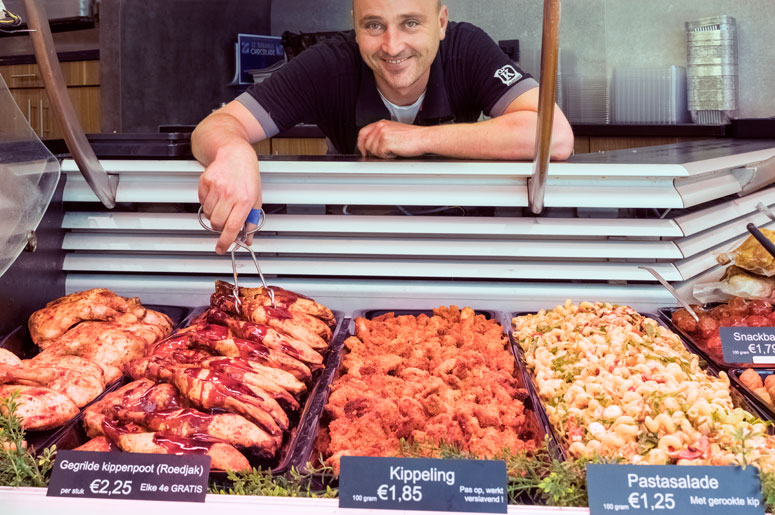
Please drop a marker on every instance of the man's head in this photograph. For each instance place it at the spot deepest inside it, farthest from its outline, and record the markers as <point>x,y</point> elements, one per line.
<point>399,39</point>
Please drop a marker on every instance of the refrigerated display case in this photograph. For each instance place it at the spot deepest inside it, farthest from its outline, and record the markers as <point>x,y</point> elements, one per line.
<point>341,234</point>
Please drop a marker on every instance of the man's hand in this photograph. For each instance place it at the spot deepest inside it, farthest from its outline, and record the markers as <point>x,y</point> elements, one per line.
<point>228,189</point>
<point>387,139</point>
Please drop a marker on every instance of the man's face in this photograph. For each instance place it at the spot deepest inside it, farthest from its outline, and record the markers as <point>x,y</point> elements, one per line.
<point>398,39</point>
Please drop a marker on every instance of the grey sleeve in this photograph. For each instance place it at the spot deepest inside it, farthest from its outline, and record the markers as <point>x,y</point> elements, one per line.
<point>261,114</point>
<point>511,94</point>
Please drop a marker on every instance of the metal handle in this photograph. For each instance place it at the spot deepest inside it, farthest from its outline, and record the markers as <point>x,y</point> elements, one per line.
<point>51,72</point>
<point>672,291</point>
<point>40,116</point>
<point>546,98</point>
<point>765,210</point>
<point>24,75</point>
<point>761,238</point>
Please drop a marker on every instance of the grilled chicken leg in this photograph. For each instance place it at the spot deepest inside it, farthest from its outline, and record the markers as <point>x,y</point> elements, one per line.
<point>262,333</point>
<point>39,407</point>
<point>61,314</point>
<point>229,427</point>
<point>223,456</point>
<point>79,379</point>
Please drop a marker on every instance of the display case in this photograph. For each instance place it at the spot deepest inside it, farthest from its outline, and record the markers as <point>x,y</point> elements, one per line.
<point>360,234</point>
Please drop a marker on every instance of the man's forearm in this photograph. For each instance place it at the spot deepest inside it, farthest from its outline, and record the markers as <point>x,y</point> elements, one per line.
<point>216,132</point>
<point>511,136</point>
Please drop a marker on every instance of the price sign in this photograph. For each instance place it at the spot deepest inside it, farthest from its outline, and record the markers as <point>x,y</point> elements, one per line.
<point>748,344</point>
<point>423,484</point>
<point>671,489</point>
<point>123,475</point>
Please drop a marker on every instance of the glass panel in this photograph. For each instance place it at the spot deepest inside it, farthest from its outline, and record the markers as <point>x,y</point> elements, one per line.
<point>28,177</point>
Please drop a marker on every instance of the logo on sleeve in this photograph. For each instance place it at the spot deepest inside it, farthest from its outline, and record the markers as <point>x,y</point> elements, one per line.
<point>508,75</point>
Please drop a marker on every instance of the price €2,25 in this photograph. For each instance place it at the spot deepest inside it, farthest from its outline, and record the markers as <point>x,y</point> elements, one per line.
<point>762,349</point>
<point>118,487</point>
<point>656,501</point>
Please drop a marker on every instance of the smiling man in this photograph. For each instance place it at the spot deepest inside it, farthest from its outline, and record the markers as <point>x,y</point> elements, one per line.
<point>406,82</point>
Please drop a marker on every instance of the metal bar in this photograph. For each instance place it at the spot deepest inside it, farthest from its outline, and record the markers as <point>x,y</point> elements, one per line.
<point>51,73</point>
<point>546,94</point>
<point>435,226</point>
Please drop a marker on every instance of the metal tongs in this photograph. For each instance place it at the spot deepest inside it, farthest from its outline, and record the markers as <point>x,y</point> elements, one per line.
<point>672,291</point>
<point>258,217</point>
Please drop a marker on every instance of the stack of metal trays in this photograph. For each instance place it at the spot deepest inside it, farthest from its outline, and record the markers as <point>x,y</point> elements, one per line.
<point>712,70</point>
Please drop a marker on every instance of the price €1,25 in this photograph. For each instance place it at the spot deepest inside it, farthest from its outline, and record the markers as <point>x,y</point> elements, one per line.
<point>656,501</point>
<point>105,487</point>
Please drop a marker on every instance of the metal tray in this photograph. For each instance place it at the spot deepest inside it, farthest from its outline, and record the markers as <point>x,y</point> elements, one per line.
<point>739,397</point>
<point>74,435</point>
<point>311,430</point>
<point>20,343</point>
<point>665,315</point>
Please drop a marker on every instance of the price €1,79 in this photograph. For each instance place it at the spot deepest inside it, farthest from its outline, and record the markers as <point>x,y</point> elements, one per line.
<point>762,349</point>
<point>404,493</point>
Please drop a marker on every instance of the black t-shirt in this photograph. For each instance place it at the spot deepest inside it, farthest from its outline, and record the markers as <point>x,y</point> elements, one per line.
<point>330,85</point>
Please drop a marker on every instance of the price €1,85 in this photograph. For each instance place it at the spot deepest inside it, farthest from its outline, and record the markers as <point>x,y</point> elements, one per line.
<point>105,487</point>
<point>656,501</point>
<point>404,493</point>
<point>762,349</point>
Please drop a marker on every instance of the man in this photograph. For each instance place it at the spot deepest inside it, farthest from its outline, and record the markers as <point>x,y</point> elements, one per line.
<point>391,90</point>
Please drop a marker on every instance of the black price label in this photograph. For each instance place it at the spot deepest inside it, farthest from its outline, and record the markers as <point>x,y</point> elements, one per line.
<point>754,345</point>
<point>641,489</point>
<point>123,475</point>
<point>423,484</point>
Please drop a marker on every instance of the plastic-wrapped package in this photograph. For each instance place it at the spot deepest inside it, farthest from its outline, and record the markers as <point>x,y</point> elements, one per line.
<point>736,282</point>
<point>29,174</point>
<point>751,256</point>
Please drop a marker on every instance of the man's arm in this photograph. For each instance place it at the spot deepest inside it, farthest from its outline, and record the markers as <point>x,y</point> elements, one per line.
<point>230,186</point>
<point>509,136</point>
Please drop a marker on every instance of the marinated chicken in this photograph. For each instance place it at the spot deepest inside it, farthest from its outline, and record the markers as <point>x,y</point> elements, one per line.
<point>87,338</point>
<point>79,379</point>
<point>9,358</point>
<point>61,314</point>
<point>223,456</point>
<point>224,383</point>
<point>39,407</point>
<point>107,343</point>
<point>292,301</point>
<point>446,378</point>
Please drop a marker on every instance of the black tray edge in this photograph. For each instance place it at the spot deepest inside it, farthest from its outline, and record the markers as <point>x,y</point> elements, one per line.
<point>765,411</point>
<point>555,446</point>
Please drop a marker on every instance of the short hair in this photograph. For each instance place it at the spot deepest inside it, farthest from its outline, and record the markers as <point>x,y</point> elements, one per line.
<point>438,5</point>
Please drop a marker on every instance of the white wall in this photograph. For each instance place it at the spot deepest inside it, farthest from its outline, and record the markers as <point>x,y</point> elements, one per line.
<point>601,33</point>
